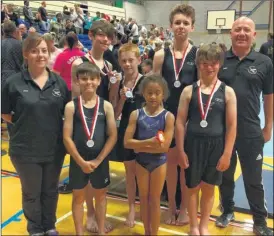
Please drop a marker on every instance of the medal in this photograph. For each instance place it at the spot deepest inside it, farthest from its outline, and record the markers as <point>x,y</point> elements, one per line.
<point>203,123</point>
<point>203,112</point>
<point>89,132</point>
<point>177,83</point>
<point>129,94</point>
<point>113,79</point>
<point>90,143</point>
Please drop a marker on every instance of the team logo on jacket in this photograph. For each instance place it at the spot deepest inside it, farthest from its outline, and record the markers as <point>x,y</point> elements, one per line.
<point>56,92</point>
<point>191,63</point>
<point>252,70</point>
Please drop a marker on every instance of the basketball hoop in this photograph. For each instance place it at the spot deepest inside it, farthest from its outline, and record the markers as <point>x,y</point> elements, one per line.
<point>219,29</point>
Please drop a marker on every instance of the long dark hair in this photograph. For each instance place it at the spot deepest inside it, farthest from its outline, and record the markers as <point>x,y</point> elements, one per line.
<point>71,39</point>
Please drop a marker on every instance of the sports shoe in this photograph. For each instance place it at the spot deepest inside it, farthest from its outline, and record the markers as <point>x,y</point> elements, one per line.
<point>65,188</point>
<point>223,220</point>
<point>52,232</point>
<point>262,230</point>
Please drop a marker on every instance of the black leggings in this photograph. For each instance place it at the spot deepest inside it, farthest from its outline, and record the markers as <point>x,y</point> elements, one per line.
<point>39,183</point>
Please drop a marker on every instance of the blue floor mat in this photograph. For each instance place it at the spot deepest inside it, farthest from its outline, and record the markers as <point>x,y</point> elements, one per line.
<point>241,203</point>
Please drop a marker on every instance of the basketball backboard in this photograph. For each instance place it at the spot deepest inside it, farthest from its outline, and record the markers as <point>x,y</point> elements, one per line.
<point>220,19</point>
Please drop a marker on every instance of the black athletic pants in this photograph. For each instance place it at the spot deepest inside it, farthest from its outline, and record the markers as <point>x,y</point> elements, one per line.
<point>39,183</point>
<point>250,153</point>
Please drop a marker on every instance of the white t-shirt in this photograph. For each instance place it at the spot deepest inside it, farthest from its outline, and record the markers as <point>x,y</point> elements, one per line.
<point>53,57</point>
<point>79,23</point>
<point>134,30</point>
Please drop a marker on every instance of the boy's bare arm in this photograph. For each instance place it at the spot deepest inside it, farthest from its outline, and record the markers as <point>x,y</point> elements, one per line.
<point>67,134</point>
<point>158,62</point>
<point>182,117</point>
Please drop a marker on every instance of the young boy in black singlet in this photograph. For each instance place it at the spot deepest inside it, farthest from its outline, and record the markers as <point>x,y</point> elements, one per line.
<point>208,113</point>
<point>89,135</point>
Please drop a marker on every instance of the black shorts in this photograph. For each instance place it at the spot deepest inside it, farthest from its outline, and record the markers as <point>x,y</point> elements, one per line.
<point>122,153</point>
<point>99,179</point>
<point>203,155</point>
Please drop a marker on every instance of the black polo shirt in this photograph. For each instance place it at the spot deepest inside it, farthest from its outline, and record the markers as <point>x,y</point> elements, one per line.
<point>36,133</point>
<point>249,77</point>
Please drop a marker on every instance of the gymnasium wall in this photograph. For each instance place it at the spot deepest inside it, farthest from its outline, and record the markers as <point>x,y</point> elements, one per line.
<point>135,11</point>
<point>158,12</point>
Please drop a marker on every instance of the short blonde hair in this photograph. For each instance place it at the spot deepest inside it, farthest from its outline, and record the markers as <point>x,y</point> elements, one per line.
<point>49,36</point>
<point>210,52</point>
<point>129,47</point>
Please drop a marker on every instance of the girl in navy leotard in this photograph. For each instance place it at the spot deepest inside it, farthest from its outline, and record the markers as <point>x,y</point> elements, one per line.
<point>141,136</point>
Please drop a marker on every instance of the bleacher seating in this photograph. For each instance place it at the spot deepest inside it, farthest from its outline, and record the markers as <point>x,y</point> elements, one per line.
<point>84,39</point>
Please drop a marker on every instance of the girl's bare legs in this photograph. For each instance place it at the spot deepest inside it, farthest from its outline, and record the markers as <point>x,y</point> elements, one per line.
<point>157,180</point>
<point>130,167</point>
<point>143,179</point>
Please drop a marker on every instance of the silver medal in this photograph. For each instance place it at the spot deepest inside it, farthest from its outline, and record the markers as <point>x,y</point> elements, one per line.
<point>203,123</point>
<point>177,84</point>
<point>113,80</point>
<point>129,94</point>
<point>90,143</point>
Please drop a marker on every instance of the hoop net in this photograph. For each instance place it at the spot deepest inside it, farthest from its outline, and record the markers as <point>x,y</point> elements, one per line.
<point>219,29</point>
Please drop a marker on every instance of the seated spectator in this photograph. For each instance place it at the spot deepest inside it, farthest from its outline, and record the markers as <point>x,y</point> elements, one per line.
<point>79,20</point>
<point>43,12</point>
<point>142,46</point>
<point>105,17</point>
<point>162,34</point>
<point>267,48</point>
<point>23,30</point>
<point>11,15</point>
<point>19,20</point>
<point>66,14</point>
<point>39,25</point>
<point>54,51</point>
<point>88,22</point>
<point>147,66</point>
<point>3,13</point>
<point>58,27</point>
<point>27,12</point>
<point>97,17</point>
<point>119,27</point>
<point>70,27</point>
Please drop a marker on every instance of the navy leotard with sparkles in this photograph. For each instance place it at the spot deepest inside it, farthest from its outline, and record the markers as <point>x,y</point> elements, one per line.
<point>147,127</point>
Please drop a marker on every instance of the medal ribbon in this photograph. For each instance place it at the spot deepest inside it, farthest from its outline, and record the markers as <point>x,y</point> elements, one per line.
<point>105,66</point>
<point>176,69</point>
<point>89,132</point>
<point>200,101</point>
<point>135,82</point>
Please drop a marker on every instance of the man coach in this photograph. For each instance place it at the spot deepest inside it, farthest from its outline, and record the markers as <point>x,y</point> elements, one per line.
<point>249,73</point>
